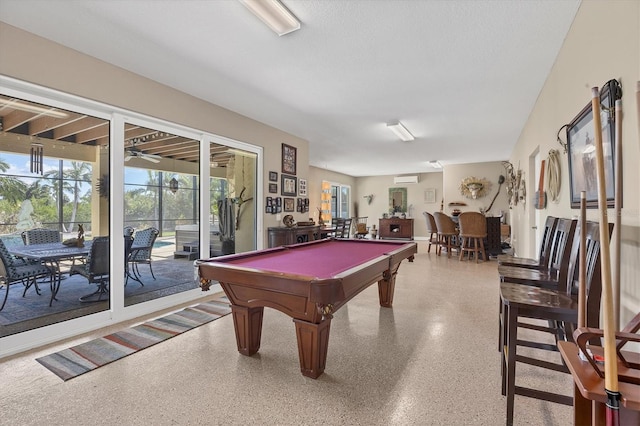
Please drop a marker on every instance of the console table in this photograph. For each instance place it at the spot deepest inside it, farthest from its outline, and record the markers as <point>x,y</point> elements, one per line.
<point>283,236</point>
<point>396,228</point>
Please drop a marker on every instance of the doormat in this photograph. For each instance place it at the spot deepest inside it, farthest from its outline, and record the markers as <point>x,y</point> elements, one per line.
<point>88,356</point>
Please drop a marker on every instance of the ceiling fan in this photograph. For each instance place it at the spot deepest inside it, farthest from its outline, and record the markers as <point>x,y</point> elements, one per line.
<point>135,152</point>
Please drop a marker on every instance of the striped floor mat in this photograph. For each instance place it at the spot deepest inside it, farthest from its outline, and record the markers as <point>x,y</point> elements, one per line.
<point>80,359</point>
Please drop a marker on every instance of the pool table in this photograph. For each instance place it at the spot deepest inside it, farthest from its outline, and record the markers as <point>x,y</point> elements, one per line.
<point>308,282</point>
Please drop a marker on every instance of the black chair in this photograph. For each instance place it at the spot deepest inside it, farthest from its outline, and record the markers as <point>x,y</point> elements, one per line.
<point>40,236</point>
<point>14,271</point>
<point>141,250</point>
<point>342,226</point>
<point>96,269</point>
<point>128,242</point>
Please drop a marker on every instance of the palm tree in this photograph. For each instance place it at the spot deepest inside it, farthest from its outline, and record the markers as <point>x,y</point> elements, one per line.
<point>79,171</point>
<point>13,189</point>
<point>72,177</point>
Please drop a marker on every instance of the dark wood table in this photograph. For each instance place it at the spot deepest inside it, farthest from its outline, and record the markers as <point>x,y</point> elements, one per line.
<point>308,282</point>
<point>589,397</point>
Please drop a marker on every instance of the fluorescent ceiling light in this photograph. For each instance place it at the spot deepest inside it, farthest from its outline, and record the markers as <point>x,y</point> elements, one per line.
<point>435,164</point>
<point>274,15</point>
<point>22,106</point>
<point>400,131</point>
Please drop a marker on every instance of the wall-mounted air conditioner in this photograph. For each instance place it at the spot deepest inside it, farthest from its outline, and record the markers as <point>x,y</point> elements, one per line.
<point>405,179</point>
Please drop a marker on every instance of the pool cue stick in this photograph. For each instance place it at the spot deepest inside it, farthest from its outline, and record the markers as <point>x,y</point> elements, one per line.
<point>610,356</point>
<point>582,266</point>
<point>617,225</point>
<point>638,107</point>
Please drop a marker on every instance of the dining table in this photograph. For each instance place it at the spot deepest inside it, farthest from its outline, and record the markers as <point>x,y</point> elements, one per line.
<point>51,254</point>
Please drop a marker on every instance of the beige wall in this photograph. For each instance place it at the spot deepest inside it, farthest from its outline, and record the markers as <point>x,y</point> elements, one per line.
<point>379,187</point>
<point>33,59</point>
<point>603,44</point>
<point>491,171</point>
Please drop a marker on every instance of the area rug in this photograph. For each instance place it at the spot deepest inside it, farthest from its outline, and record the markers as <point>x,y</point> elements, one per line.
<point>88,356</point>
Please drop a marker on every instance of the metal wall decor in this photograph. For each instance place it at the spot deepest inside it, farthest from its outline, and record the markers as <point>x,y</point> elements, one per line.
<point>473,187</point>
<point>36,159</point>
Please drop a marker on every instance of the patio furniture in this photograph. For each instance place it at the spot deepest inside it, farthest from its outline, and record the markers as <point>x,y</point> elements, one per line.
<point>141,250</point>
<point>96,269</point>
<point>14,271</point>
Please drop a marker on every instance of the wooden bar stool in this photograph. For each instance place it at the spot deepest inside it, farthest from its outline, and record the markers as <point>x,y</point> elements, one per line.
<point>473,231</point>
<point>447,233</point>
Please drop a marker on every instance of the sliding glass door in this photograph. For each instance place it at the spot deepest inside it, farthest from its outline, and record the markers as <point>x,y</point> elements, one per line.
<point>53,167</point>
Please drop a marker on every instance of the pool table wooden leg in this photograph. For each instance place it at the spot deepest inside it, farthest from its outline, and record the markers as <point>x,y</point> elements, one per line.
<point>248,325</point>
<point>313,342</point>
<point>386,288</point>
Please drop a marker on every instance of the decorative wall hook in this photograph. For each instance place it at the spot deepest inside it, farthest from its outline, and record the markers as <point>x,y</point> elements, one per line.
<point>369,198</point>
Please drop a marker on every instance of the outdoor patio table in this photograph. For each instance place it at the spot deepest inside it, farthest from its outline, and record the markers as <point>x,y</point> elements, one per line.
<point>51,254</point>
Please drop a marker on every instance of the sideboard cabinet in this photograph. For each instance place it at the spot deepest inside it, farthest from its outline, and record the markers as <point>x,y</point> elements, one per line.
<point>396,228</point>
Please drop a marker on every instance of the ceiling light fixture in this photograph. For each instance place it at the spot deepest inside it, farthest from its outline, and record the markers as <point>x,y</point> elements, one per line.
<point>400,131</point>
<point>173,185</point>
<point>274,14</point>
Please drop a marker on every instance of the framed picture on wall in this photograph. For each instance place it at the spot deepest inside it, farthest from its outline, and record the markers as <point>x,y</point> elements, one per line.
<point>289,204</point>
<point>273,188</point>
<point>302,187</point>
<point>289,158</point>
<point>582,153</point>
<point>273,176</point>
<point>430,195</point>
<point>288,185</point>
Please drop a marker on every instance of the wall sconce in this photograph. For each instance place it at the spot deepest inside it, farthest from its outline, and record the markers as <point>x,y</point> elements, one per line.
<point>173,185</point>
<point>474,188</point>
<point>369,198</point>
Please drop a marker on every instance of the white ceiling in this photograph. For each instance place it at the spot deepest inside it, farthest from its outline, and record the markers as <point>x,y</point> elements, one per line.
<point>461,75</point>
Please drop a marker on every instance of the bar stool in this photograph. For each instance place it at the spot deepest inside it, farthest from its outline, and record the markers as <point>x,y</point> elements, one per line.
<point>473,231</point>
<point>447,233</point>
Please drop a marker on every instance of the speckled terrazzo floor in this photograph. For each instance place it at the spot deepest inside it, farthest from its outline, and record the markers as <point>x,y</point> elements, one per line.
<point>430,360</point>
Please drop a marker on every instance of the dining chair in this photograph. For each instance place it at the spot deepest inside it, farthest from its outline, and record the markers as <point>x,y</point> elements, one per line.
<point>543,253</point>
<point>473,230</point>
<point>40,236</point>
<point>558,260</point>
<point>342,226</point>
<point>447,233</point>
<point>559,307</point>
<point>362,230</point>
<point>141,249</point>
<point>432,231</point>
<point>96,269</point>
<point>14,271</point>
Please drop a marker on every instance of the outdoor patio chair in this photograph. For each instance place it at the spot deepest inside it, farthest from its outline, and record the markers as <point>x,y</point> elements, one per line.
<point>40,236</point>
<point>141,250</point>
<point>14,270</point>
<point>96,269</point>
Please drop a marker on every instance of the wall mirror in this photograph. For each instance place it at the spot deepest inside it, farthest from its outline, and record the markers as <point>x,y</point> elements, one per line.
<point>397,200</point>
